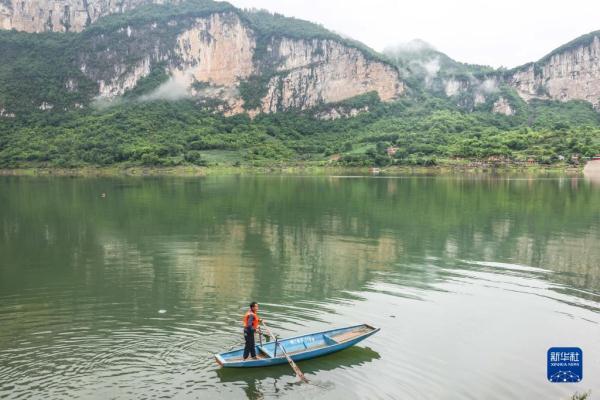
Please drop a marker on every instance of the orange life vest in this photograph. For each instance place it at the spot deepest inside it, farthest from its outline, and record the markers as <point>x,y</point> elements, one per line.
<point>247,318</point>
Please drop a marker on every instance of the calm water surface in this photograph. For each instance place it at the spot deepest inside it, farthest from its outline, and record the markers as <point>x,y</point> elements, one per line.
<point>128,296</point>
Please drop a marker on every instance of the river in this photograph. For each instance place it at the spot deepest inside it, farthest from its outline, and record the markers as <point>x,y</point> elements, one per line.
<point>125,287</point>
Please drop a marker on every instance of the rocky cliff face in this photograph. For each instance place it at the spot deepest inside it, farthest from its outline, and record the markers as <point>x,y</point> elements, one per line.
<point>572,74</point>
<point>569,73</point>
<point>227,59</point>
<point>212,56</point>
<point>217,51</point>
<point>324,71</point>
<point>502,106</point>
<point>60,15</point>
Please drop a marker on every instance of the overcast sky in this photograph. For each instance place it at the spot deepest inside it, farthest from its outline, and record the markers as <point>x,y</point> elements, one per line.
<point>498,32</point>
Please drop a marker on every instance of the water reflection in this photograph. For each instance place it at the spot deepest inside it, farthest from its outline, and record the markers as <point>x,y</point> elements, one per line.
<point>82,277</point>
<point>260,381</point>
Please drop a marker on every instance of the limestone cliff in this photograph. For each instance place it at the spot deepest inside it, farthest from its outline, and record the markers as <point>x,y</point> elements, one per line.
<point>212,56</point>
<point>60,15</point>
<point>568,73</point>
<point>324,71</point>
<point>502,106</point>
<point>571,72</point>
<point>227,59</point>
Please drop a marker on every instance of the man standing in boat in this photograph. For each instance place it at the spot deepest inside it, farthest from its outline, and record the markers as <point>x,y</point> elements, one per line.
<point>251,322</point>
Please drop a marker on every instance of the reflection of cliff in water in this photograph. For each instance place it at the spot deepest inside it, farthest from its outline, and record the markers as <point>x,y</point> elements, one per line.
<point>287,239</point>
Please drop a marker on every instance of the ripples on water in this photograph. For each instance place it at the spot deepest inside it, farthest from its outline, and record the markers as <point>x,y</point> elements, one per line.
<point>129,297</point>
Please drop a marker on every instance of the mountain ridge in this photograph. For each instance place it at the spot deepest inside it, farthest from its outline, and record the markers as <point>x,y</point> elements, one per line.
<point>231,58</point>
<point>568,72</point>
<point>203,83</point>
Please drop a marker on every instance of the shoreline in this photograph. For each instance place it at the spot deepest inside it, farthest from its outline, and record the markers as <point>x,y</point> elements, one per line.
<point>316,170</point>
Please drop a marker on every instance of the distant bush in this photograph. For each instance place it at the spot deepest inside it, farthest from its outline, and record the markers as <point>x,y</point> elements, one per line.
<point>194,157</point>
<point>150,159</point>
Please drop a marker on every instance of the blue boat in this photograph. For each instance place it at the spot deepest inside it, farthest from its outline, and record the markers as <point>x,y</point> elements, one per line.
<point>298,348</point>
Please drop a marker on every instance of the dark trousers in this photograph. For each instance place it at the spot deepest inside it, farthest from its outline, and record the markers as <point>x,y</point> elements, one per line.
<point>250,348</point>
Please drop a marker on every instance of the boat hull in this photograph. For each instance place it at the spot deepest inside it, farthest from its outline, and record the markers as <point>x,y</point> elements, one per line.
<point>299,348</point>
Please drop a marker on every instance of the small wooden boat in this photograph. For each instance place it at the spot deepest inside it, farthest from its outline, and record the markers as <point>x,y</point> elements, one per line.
<point>298,348</point>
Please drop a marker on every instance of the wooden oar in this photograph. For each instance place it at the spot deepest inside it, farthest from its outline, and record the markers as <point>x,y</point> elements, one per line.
<point>299,373</point>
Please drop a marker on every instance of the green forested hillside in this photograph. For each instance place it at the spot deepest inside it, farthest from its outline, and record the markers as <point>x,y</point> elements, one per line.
<point>425,130</point>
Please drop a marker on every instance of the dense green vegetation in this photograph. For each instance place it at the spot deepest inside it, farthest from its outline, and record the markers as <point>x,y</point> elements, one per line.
<point>425,131</point>
<point>254,89</point>
<point>35,69</point>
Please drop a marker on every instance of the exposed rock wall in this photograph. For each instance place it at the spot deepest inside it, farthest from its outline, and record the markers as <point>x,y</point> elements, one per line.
<point>124,79</point>
<point>502,106</point>
<point>60,15</point>
<point>526,84</point>
<point>341,112</point>
<point>207,57</point>
<point>325,71</point>
<point>6,114</point>
<point>217,50</point>
<point>211,56</point>
<point>569,75</point>
<point>453,86</point>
